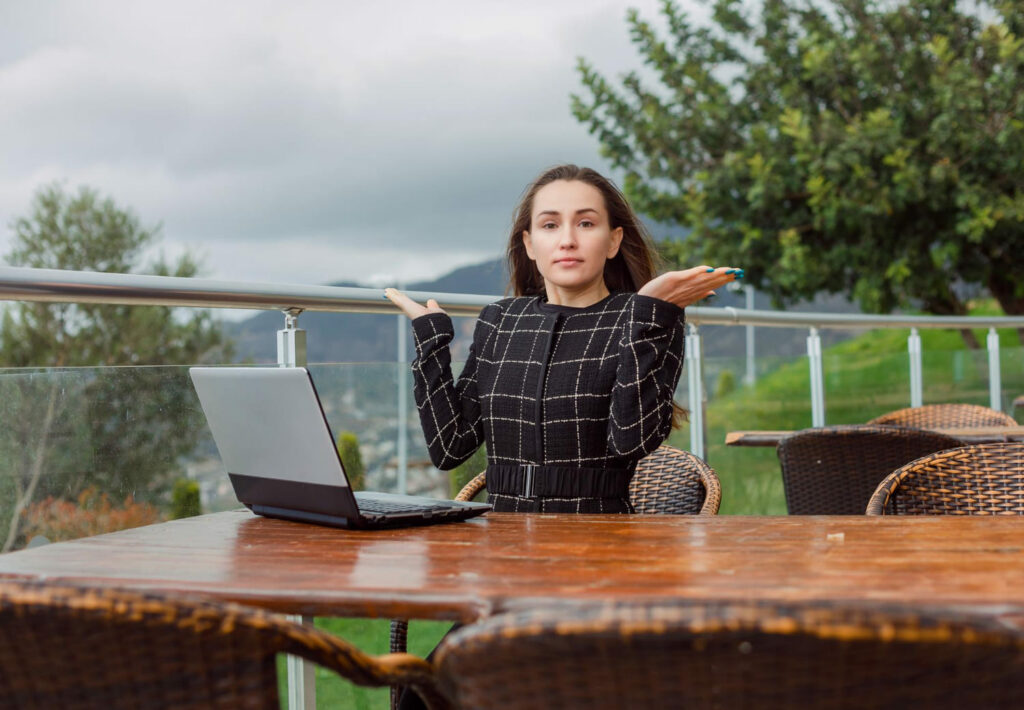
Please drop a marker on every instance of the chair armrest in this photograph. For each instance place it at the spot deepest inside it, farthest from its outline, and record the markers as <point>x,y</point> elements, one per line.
<point>391,669</point>
<point>473,488</point>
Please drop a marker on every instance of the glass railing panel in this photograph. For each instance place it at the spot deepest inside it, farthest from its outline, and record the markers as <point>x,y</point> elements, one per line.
<point>778,398</point>
<point>963,376</point>
<point>90,450</point>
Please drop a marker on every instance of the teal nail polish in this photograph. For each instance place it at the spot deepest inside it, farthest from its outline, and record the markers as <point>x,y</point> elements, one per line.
<point>710,270</point>
<point>730,271</point>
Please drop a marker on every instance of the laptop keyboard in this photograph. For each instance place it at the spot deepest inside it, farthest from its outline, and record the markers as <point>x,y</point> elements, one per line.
<point>379,506</point>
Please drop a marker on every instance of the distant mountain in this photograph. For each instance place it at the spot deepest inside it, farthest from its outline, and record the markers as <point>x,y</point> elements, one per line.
<point>357,337</point>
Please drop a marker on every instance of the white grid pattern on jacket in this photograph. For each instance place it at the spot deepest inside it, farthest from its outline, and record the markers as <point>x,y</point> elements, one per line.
<point>609,373</point>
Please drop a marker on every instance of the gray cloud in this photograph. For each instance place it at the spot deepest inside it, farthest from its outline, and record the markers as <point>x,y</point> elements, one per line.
<point>312,141</point>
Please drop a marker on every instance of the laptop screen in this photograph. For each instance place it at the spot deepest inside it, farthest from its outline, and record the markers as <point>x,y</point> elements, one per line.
<point>267,422</point>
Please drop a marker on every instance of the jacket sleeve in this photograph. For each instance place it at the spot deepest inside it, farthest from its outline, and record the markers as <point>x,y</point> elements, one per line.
<point>651,349</point>
<point>449,411</point>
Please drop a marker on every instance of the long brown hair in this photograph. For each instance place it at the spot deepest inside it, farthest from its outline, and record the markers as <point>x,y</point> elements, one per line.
<point>635,264</point>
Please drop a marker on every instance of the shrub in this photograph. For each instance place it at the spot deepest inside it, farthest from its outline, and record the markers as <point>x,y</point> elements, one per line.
<point>91,514</point>
<point>185,501</point>
<point>352,460</point>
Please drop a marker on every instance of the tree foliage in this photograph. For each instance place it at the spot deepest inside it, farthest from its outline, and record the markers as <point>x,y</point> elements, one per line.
<point>113,430</point>
<point>870,148</point>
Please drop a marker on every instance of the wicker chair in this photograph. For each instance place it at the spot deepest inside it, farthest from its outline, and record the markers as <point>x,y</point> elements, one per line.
<point>834,470</point>
<point>64,646</point>
<point>986,479</point>
<point>723,655</point>
<point>667,481</point>
<point>935,416</point>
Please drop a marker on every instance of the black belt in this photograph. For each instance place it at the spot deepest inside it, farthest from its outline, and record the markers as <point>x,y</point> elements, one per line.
<point>529,481</point>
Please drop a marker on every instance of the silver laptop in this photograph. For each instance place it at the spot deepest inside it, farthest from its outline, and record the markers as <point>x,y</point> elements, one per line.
<point>270,430</point>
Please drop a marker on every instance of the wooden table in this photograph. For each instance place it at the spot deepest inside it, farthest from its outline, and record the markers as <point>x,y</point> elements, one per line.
<point>969,435</point>
<point>506,561</point>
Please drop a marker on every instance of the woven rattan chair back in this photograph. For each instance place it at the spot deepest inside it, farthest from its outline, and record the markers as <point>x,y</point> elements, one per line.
<point>985,479</point>
<point>834,470</point>
<point>938,416</point>
<point>732,656</point>
<point>72,647</point>
<point>675,482</point>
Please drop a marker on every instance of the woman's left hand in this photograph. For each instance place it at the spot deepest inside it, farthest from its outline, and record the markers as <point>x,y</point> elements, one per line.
<point>685,288</point>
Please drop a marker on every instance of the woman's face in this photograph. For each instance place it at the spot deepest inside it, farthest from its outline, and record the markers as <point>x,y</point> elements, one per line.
<point>570,237</point>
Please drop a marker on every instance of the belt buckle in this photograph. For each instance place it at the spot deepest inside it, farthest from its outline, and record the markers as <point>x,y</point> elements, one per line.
<point>528,484</point>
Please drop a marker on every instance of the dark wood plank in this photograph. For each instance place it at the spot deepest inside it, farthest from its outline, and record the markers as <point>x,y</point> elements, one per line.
<point>971,435</point>
<point>502,561</point>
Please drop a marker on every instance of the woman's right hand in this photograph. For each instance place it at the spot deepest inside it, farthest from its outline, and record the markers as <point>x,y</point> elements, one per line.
<point>408,306</point>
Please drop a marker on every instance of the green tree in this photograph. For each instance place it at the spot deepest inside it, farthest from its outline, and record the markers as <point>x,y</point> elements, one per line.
<point>870,148</point>
<point>119,431</point>
<point>352,460</point>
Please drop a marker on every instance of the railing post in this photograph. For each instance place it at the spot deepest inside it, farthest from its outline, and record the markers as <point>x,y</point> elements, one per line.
<point>291,352</point>
<point>817,379</point>
<point>291,342</point>
<point>403,435</point>
<point>301,677</point>
<point>995,384</point>
<point>751,375</point>
<point>695,382</point>
<point>916,378</point>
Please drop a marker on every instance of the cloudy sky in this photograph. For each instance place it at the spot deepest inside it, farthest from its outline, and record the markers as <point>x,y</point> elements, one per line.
<point>299,141</point>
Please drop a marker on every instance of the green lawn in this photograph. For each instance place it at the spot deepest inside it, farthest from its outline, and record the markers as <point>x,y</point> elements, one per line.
<point>372,636</point>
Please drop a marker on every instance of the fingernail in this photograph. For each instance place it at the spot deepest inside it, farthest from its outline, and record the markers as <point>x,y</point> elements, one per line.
<point>730,271</point>
<point>710,270</point>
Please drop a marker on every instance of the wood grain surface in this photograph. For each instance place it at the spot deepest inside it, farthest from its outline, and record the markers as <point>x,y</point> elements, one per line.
<point>969,435</point>
<point>504,561</point>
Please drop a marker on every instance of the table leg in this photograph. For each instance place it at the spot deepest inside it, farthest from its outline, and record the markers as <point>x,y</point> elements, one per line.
<point>301,678</point>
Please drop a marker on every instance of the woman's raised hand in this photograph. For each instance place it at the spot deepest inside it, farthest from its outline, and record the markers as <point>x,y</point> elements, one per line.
<point>409,306</point>
<point>685,288</point>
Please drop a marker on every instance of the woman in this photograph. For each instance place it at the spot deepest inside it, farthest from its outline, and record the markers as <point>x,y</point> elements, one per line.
<point>570,382</point>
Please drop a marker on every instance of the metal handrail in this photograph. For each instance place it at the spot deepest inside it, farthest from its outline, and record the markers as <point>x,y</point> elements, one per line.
<point>58,286</point>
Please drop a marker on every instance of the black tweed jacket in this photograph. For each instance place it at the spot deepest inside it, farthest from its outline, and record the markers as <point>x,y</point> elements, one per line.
<point>552,385</point>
